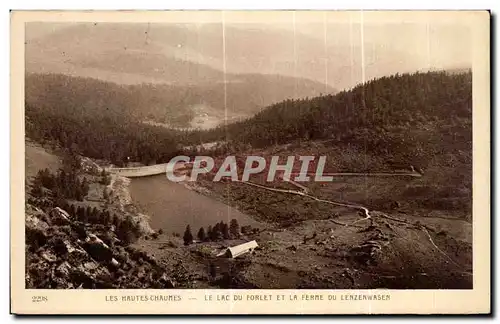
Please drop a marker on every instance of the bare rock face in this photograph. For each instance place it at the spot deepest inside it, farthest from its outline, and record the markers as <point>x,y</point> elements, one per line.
<point>64,269</point>
<point>166,282</point>
<point>48,256</point>
<point>35,232</point>
<point>98,249</point>
<point>59,216</point>
<point>33,222</point>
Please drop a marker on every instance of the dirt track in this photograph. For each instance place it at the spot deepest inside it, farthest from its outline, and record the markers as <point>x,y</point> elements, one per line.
<point>366,212</point>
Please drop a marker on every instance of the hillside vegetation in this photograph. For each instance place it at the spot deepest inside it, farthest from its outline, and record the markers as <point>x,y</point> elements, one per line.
<point>409,116</point>
<point>243,95</point>
<point>424,120</point>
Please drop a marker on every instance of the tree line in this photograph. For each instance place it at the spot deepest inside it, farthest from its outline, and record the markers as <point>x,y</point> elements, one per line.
<point>220,231</point>
<point>59,189</point>
<point>62,185</point>
<point>126,229</point>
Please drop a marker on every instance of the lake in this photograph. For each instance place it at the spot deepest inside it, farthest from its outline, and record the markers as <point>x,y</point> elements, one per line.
<point>172,207</point>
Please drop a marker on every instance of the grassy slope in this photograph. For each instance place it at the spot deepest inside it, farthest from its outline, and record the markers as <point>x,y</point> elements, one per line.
<point>38,158</point>
<point>440,192</point>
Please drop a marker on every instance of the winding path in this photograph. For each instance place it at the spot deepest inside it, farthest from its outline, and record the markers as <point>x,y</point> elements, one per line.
<point>162,168</point>
<point>366,212</point>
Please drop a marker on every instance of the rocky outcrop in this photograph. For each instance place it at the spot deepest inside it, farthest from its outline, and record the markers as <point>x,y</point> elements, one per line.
<point>120,195</point>
<point>64,253</point>
<point>59,216</point>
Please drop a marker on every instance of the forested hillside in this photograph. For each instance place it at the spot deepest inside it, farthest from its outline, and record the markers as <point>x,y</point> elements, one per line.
<point>243,95</point>
<point>408,117</point>
<point>106,121</point>
<point>102,137</point>
<point>75,96</point>
<point>422,120</point>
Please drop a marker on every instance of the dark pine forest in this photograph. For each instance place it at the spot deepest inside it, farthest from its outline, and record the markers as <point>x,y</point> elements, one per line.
<point>410,116</point>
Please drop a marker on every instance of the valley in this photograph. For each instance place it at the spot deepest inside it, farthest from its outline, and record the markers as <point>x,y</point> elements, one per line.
<point>332,247</point>
<point>394,127</point>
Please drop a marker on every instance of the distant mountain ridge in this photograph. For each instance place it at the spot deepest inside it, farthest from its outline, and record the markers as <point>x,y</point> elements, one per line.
<point>192,53</point>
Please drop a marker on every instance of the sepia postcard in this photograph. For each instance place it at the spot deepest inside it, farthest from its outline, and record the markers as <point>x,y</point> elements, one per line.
<point>250,162</point>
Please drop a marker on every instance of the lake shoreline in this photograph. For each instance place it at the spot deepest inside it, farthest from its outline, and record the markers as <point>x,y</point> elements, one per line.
<point>121,196</point>
<point>172,206</point>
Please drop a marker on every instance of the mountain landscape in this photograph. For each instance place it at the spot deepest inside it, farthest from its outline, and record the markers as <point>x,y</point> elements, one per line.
<point>208,73</point>
<point>391,111</point>
<point>145,63</point>
<point>361,130</point>
<point>336,55</point>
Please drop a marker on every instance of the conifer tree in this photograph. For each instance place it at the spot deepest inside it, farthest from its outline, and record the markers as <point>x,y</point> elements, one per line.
<point>209,233</point>
<point>201,234</point>
<point>225,231</point>
<point>234,228</point>
<point>188,236</point>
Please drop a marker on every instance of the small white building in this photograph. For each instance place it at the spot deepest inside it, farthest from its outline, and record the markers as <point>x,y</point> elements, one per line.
<point>235,251</point>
